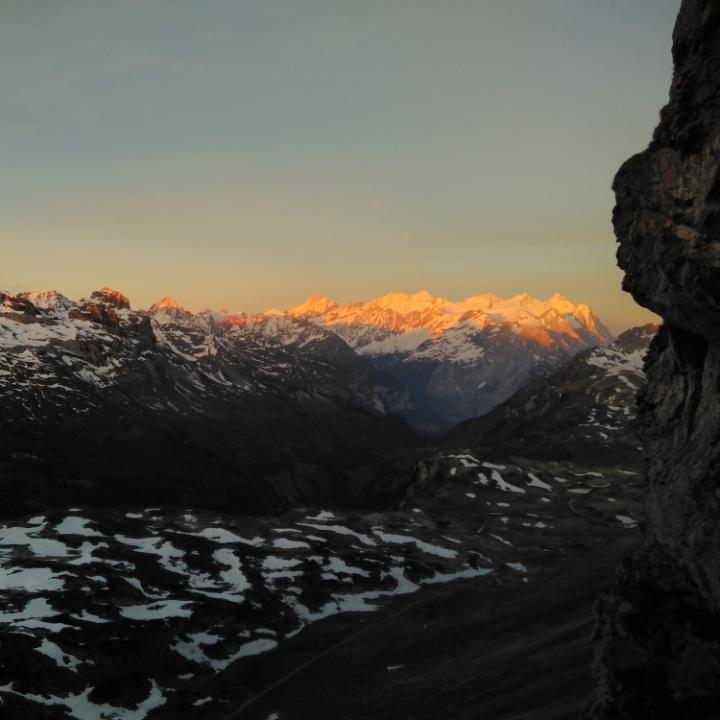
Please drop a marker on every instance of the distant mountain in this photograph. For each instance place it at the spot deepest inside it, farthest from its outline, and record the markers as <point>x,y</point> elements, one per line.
<point>204,501</point>
<point>434,361</point>
<point>459,359</point>
<point>585,411</point>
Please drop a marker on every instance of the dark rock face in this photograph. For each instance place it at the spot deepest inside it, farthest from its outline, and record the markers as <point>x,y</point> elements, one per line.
<point>110,298</point>
<point>661,652</point>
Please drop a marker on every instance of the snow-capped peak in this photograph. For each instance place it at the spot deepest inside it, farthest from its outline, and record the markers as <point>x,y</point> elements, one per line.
<point>562,304</point>
<point>407,303</point>
<point>402,313</point>
<point>110,297</point>
<point>166,303</point>
<point>168,310</point>
<point>47,300</point>
<point>477,302</point>
<point>214,315</point>
<point>314,306</point>
<point>457,358</point>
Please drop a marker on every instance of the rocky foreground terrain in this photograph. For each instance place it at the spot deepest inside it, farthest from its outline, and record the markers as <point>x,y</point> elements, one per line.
<point>147,612</point>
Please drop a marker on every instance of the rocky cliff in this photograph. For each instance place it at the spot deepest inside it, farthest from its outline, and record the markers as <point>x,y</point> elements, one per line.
<point>660,627</point>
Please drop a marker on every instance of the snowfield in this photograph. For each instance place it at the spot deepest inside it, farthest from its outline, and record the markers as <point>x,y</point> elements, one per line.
<point>185,594</point>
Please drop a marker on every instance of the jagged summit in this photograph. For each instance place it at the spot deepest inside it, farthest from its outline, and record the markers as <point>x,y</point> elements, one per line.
<point>168,310</point>
<point>459,357</point>
<point>394,312</point>
<point>47,300</point>
<point>562,304</point>
<point>315,305</point>
<point>166,303</point>
<point>637,337</point>
<point>111,298</point>
<point>404,313</point>
<point>453,359</point>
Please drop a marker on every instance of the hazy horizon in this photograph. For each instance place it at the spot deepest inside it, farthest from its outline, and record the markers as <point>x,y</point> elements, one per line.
<point>250,154</point>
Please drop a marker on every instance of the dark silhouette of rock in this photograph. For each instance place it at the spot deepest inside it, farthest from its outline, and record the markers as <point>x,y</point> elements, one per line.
<point>660,626</point>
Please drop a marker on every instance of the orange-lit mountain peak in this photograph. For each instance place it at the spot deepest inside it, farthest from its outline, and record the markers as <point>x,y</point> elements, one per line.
<point>168,303</point>
<point>168,307</point>
<point>424,316</point>
<point>241,318</point>
<point>562,304</point>
<point>403,303</point>
<point>47,299</point>
<point>314,306</point>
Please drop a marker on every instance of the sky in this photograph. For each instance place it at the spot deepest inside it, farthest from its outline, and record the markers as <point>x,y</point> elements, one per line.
<point>247,153</point>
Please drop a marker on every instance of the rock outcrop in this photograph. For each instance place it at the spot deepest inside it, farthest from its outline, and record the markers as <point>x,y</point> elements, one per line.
<point>660,626</point>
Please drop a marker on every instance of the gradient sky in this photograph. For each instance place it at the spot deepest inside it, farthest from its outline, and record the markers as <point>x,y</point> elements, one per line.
<point>246,153</point>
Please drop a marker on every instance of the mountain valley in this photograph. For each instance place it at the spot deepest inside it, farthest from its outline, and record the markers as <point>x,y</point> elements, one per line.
<point>215,505</point>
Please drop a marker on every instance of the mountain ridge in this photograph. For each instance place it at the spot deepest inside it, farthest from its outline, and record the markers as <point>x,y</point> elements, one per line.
<point>318,304</point>
<point>455,359</point>
<point>460,358</point>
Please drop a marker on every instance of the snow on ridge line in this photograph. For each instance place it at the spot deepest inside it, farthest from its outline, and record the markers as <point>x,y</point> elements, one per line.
<point>399,302</point>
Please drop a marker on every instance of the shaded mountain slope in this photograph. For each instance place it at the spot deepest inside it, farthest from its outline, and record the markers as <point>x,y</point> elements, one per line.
<point>585,411</point>
<point>171,612</point>
<point>101,405</point>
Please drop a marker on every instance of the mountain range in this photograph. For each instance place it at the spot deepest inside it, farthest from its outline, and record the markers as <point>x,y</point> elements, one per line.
<point>316,394</point>
<point>459,359</point>
<point>209,499</point>
<point>434,361</point>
